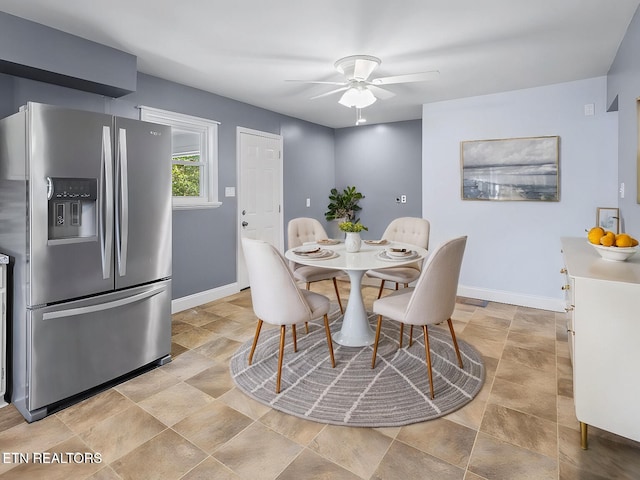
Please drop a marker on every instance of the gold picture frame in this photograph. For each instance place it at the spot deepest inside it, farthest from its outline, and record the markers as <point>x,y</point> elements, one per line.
<point>609,219</point>
<point>524,168</point>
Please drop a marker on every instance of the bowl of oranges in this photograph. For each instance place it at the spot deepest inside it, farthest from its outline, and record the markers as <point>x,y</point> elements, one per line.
<point>614,247</point>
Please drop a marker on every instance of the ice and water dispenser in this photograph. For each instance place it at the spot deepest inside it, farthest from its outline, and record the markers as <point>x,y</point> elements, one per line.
<point>72,208</point>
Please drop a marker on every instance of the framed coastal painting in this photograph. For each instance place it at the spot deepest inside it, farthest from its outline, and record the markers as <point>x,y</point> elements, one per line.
<point>511,169</point>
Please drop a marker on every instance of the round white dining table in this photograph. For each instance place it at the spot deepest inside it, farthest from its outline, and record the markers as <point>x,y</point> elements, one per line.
<point>355,331</point>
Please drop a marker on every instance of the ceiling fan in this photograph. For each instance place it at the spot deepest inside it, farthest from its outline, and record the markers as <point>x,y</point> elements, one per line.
<point>359,91</point>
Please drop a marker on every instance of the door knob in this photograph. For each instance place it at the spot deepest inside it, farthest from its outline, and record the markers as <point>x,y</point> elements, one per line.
<point>244,224</point>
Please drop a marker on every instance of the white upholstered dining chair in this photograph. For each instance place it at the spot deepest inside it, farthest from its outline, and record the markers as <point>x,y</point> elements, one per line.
<point>299,231</point>
<point>430,302</point>
<point>278,300</point>
<point>412,230</point>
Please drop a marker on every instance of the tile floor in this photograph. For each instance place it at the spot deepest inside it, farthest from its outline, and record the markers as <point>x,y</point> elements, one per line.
<point>186,420</point>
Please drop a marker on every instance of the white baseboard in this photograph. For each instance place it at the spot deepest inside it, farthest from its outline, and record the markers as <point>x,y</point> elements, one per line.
<point>511,298</point>
<point>200,298</point>
<point>532,301</point>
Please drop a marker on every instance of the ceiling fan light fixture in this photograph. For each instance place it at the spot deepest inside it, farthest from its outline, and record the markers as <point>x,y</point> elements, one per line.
<point>357,97</point>
<point>357,67</point>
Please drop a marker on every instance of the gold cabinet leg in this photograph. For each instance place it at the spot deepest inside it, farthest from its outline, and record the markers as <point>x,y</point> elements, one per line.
<point>583,436</point>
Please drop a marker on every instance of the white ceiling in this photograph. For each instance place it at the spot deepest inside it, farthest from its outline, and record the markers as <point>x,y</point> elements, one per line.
<point>246,49</point>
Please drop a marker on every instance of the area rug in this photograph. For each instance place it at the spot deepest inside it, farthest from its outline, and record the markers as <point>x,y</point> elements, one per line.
<point>395,393</point>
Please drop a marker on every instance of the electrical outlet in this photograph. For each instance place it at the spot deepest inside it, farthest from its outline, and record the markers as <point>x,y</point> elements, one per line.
<point>403,199</point>
<point>308,202</point>
<point>622,190</point>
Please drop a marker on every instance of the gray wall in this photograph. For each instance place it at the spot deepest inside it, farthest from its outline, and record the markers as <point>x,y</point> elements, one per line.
<point>309,169</point>
<point>204,240</point>
<point>383,161</point>
<point>623,84</point>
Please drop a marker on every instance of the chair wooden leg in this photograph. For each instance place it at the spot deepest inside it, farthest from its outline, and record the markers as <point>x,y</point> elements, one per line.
<point>375,343</point>
<point>335,285</point>
<point>411,335</point>
<point>329,341</point>
<point>280,356</point>
<point>397,285</point>
<point>295,338</point>
<point>255,341</point>
<point>381,288</point>
<point>401,334</point>
<point>455,343</point>
<point>306,324</point>
<point>427,353</point>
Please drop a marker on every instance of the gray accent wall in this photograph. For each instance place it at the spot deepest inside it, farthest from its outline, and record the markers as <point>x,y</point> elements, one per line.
<point>623,90</point>
<point>309,169</point>
<point>383,161</point>
<point>204,240</point>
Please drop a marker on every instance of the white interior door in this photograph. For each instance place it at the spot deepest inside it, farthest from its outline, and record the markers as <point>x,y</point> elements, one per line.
<point>260,192</point>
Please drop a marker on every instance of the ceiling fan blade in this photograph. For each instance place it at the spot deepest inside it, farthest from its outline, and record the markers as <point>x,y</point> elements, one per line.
<point>363,68</point>
<point>318,82</point>
<point>408,78</point>
<point>330,93</point>
<point>381,93</point>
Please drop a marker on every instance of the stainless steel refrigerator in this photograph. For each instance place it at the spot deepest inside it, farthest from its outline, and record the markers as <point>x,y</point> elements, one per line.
<point>85,216</point>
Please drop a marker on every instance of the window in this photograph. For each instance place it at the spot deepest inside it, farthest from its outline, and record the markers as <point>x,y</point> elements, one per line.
<point>194,157</point>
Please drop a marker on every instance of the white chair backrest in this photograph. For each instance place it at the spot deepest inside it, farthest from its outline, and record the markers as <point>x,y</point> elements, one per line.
<point>411,230</point>
<point>303,229</point>
<point>275,296</point>
<point>434,297</point>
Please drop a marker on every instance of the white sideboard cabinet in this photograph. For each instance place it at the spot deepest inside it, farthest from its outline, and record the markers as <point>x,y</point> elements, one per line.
<point>603,320</point>
<point>4,260</point>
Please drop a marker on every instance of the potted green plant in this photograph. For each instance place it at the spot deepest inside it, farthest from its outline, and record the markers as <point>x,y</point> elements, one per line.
<point>352,241</point>
<point>344,205</point>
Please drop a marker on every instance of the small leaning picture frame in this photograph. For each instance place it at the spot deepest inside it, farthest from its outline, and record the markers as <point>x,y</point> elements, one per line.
<point>609,219</point>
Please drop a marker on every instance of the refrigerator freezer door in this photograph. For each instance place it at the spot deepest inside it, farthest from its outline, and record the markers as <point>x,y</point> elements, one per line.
<point>143,202</point>
<point>79,345</point>
<point>72,150</point>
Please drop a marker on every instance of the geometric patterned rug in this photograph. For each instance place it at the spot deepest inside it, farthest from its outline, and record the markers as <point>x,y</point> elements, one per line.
<point>395,393</point>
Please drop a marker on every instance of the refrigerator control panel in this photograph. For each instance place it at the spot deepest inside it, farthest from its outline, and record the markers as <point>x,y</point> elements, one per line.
<point>69,188</point>
<point>72,208</point>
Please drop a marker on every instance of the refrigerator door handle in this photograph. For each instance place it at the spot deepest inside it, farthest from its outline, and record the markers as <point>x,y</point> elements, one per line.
<point>102,306</point>
<point>106,198</point>
<point>122,212</point>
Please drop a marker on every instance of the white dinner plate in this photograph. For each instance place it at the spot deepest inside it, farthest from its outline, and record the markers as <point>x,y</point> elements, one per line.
<point>315,254</point>
<point>376,242</point>
<point>328,241</point>
<point>384,255</point>
<point>399,252</point>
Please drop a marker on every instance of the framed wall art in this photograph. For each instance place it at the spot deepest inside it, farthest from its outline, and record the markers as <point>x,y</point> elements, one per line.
<point>511,169</point>
<point>609,219</point>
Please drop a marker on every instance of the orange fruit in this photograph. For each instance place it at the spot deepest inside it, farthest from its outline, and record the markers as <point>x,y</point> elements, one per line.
<point>608,239</point>
<point>623,240</point>
<point>595,234</point>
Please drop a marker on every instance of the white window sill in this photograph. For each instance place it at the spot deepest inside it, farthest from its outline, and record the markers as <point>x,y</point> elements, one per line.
<point>196,206</point>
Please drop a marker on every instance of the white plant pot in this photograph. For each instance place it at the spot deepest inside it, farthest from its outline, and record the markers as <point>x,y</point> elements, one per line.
<point>352,242</point>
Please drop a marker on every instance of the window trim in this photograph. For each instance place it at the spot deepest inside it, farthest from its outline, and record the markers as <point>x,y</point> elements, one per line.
<point>208,131</point>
